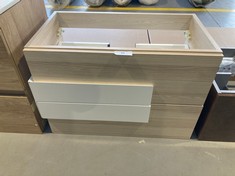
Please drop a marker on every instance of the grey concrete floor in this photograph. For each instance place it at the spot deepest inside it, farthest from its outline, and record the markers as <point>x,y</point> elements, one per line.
<point>74,155</point>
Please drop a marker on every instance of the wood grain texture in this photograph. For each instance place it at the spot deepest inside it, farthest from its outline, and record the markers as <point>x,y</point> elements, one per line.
<point>224,37</point>
<point>181,77</point>
<point>167,36</point>
<point>17,25</point>
<point>17,28</point>
<point>165,121</point>
<point>9,80</point>
<point>200,37</point>
<point>17,115</point>
<point>217,122</point>
<point>178,79</point>
<point>115,37</point>
<point>124,20</point>
<point>94,112</point>
<point>149,21</point>
<point>50,29</point>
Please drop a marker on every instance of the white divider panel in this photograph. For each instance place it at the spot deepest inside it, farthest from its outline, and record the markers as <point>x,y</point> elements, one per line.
<point>94,112</point>
<point>92,93</point>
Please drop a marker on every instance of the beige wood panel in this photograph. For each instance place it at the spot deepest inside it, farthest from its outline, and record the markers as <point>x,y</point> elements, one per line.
<point>13,38</point>
<point>20,22</point>
<point>200,37</point>
<point>40,122</point>
<point>9,81</point>
<point>50,29</point>
<point>144,57</point>
<point>115,37</point>
<point>180,92</point>
<point>17,115</point>
<point>224,37</point>
<point>167,36</point>
<point>165,121</point>
<point>25,74</point>
<point>188,83</point>
<point>34,12</point>
<point>124,20</point>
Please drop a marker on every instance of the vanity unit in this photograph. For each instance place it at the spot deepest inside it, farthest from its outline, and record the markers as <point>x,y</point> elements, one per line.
<point>129,74</point>
<point>19,20</point>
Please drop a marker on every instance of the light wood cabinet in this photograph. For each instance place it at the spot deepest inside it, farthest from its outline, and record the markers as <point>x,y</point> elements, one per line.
<point>131,49</point>
<point>8,74</point>
<point>18,22</point>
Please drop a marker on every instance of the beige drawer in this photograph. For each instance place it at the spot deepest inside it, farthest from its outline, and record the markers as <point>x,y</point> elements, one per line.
<point>93,93</point>
<point>93,101</point>
<point>95,112</point>
<point>164,91</point>
<point>165,121</point>
<point>112,37</point>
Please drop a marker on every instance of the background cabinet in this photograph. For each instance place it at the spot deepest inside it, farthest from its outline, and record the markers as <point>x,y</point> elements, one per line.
<point>18,23</point>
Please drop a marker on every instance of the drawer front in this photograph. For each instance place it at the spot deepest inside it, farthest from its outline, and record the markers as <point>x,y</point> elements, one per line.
<point>17,115</point>
<point>164,92</point>
<point>176,79</point>
<point>92,93</point>
<point>9,80</point>
<point>169,121</point>
<point>95,112</point>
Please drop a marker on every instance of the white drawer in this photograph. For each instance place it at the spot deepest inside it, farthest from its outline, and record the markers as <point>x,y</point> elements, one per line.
<point>94,112</point>
<point>93,93</point>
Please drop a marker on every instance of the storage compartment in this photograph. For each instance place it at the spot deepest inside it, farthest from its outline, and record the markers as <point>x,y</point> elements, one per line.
<point>77,29</point>
<point>172,54</point>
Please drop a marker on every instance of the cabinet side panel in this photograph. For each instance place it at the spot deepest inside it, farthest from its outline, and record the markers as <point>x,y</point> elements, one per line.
<point>200,37</point>
<point>17,116</point>
<point>9,81</point>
